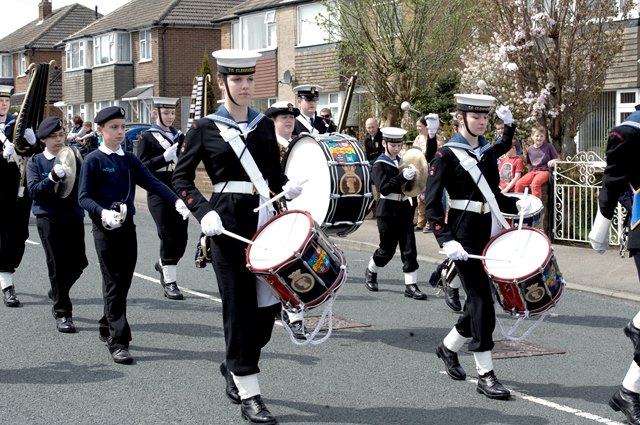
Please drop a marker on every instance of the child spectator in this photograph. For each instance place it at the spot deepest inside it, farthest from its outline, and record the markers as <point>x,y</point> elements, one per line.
<point>511,168</point>
<point>540,157</point>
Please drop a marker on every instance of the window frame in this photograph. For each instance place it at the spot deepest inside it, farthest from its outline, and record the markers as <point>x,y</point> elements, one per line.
<point>2,66</point>
<point>269,31</point>
<point>117,48</point>
<point>315,28</point>
<point>145,45</point>
<point>627,107</point>
<point>81,52</point>
<point>22,63</point>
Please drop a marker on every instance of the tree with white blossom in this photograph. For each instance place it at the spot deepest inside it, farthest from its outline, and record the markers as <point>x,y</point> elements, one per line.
<point>547,60</point>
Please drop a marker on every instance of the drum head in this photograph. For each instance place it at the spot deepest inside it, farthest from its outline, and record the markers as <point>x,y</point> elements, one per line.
<point>527,251</point>
<point>307,160</point>
<point>283,236</point>
<point>536,203</point>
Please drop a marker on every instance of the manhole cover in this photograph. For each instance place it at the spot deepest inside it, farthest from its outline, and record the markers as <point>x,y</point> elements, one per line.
<point>338,323</point>
<point>505,349</point>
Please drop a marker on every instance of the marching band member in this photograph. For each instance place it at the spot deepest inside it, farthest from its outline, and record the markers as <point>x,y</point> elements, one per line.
<point>107,188</point>
<point>622,177</point>
<point>468,230</point>
<point>158,150</point>
<point>284,116</point>
<point>16,203</point>
<point>60,221</point>
<point>394,216</point>
<point>308,121</point>
<point>238,148</point>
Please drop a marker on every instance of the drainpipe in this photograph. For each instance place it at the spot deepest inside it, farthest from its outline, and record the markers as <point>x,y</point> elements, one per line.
<point>163,62</point>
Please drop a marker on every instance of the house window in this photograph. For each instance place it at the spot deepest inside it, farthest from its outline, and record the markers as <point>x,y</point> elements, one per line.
<point>75,55</point>
<point>23,64</point>
<point>626,103</point>
<point>6,66</point>
<point>112,48</point>
<point>236,42</point>
<point>145,45</point>
<point>310,32</point>
<point>258,31</point>
<point>331,101</point>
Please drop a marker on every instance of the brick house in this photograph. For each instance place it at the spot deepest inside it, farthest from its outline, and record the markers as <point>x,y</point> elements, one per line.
<point>144,48</point>
<point>37,42</point>
<point>294,51</point>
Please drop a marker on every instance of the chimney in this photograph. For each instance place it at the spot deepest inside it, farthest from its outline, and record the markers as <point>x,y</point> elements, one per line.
<point>44,9</point>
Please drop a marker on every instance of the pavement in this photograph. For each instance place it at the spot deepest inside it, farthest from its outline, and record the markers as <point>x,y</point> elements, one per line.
<point>583,268</point>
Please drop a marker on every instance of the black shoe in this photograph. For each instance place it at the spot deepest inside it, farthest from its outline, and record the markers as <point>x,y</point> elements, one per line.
<point>65,325</point>
<point>254,410</point>
<point>412,291</point>
<point>172,291</point>
<point>418,228</point>
<point>627,402</point>
<point>451,363</point>
<point>452,299</point>
<point>10,299</point>
<point>371,280</point>
<point>122,356</point>
<point>104,338</point>
<point>489,385</point>
<point>299,330</point>
<point>634,334</point>
<point>230,389</point>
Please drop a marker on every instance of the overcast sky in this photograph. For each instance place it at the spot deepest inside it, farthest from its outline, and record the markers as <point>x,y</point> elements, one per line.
<point>18,13</point>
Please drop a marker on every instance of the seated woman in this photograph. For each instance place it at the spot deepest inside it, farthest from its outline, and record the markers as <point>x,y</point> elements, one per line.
<point>539,158</point>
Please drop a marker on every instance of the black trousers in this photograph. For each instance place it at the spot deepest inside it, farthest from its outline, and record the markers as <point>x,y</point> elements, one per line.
<point>395,231</point>
<point>63,242</point>
<point>117,253</point>
<point>247,328</point>
<point>172,229</point>
<point>14,230</point>
<point>478,319</point>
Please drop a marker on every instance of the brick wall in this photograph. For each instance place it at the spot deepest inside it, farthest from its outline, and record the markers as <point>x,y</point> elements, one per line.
<point>318,65</point>
<point>287,30</point>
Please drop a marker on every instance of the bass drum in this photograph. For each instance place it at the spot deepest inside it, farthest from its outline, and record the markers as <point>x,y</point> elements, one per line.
<point>337,191</point>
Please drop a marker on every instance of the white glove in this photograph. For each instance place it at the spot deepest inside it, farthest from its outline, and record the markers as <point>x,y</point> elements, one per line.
<point>9,149</point>
<point>455,251</point>
<point>170,154</point>
<point>58,170</point>
<point>433,123</point>
<point>292,190</point>
<point>182,209</point>
<point>599,234</point>
<point>111,218</point>
<point>524,205</point>
<point>211,224</point>
<point>409,173</point>
<point>504,113</point>
<point>30,136</point>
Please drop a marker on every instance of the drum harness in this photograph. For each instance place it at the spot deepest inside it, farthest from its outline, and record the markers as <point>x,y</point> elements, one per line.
<point>471,166</point>
<point>263,290</point>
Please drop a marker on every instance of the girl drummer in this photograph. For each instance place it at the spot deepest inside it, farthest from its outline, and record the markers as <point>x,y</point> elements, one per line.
<point>248,307</point>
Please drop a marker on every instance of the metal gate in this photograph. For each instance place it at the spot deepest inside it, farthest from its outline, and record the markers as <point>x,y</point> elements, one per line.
<point>574,193</point>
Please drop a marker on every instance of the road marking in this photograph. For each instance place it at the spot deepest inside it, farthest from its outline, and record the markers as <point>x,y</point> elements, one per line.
<point>182,288</point>
<point>555,406</point>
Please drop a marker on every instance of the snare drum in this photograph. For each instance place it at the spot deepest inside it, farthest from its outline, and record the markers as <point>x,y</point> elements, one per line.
<point>533,219</point>
<point>300,263</point>
<point>531,282</point>
<point>337,193</point>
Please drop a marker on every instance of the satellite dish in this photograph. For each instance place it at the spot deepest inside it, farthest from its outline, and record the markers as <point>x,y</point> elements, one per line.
<point>286,77</point>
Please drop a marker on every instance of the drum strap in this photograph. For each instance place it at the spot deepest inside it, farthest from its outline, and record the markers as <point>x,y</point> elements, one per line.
<point>471,166</point>
<point>165,145</point>
<point>306,124</point>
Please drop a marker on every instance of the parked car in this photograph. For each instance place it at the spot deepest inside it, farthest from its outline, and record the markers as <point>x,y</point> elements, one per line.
<point>130,138</point>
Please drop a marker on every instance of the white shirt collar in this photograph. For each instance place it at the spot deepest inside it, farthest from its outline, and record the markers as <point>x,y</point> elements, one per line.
<point>48,155</point>
<point>103,148</point>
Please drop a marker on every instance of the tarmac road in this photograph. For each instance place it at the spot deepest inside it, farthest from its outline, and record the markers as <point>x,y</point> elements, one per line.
<point>384,372</point>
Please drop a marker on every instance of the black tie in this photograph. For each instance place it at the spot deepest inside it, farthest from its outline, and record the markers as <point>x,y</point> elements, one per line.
<point>311,120</point>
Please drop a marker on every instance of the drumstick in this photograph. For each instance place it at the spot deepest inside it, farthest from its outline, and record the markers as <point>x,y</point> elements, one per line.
<point>481,257</point>
<point>526,193</point>
<point>275,198</point>
<point>243,239</point>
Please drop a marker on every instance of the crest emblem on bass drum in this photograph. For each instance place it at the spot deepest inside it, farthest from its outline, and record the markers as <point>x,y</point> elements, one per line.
<point>350,182</point>
<point>301,282</point>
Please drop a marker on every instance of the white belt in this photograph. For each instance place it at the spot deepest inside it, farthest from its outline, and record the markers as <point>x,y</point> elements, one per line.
<point>473,206</point>
<point>394,197</point>
<point>235,187</point>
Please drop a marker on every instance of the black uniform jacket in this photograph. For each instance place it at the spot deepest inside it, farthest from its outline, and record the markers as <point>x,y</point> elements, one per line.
<point>622,172</point>
<point>471,229</point>
<point>373,146</point>
<point>204,143</point>
<point>150,151</point>
<point>388,179</point>
<point>318,124</point>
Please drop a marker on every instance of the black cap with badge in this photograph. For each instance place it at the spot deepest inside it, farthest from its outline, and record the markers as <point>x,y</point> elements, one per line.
<point>48,126</point>
<point>109,113</point>
<point>308,91</point>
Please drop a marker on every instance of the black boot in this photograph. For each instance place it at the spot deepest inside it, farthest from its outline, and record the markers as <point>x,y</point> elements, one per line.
<point>412,291</point>
<point>254,410</point>
<point>299,330</point>
<point>371,280</point>
<point>489,385</point>
<point>171,290</point>
<point>9,295</point>
<point>230,389</point>
<point>627,402</point>
<point>451,363</point>
<point>452,299</point>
